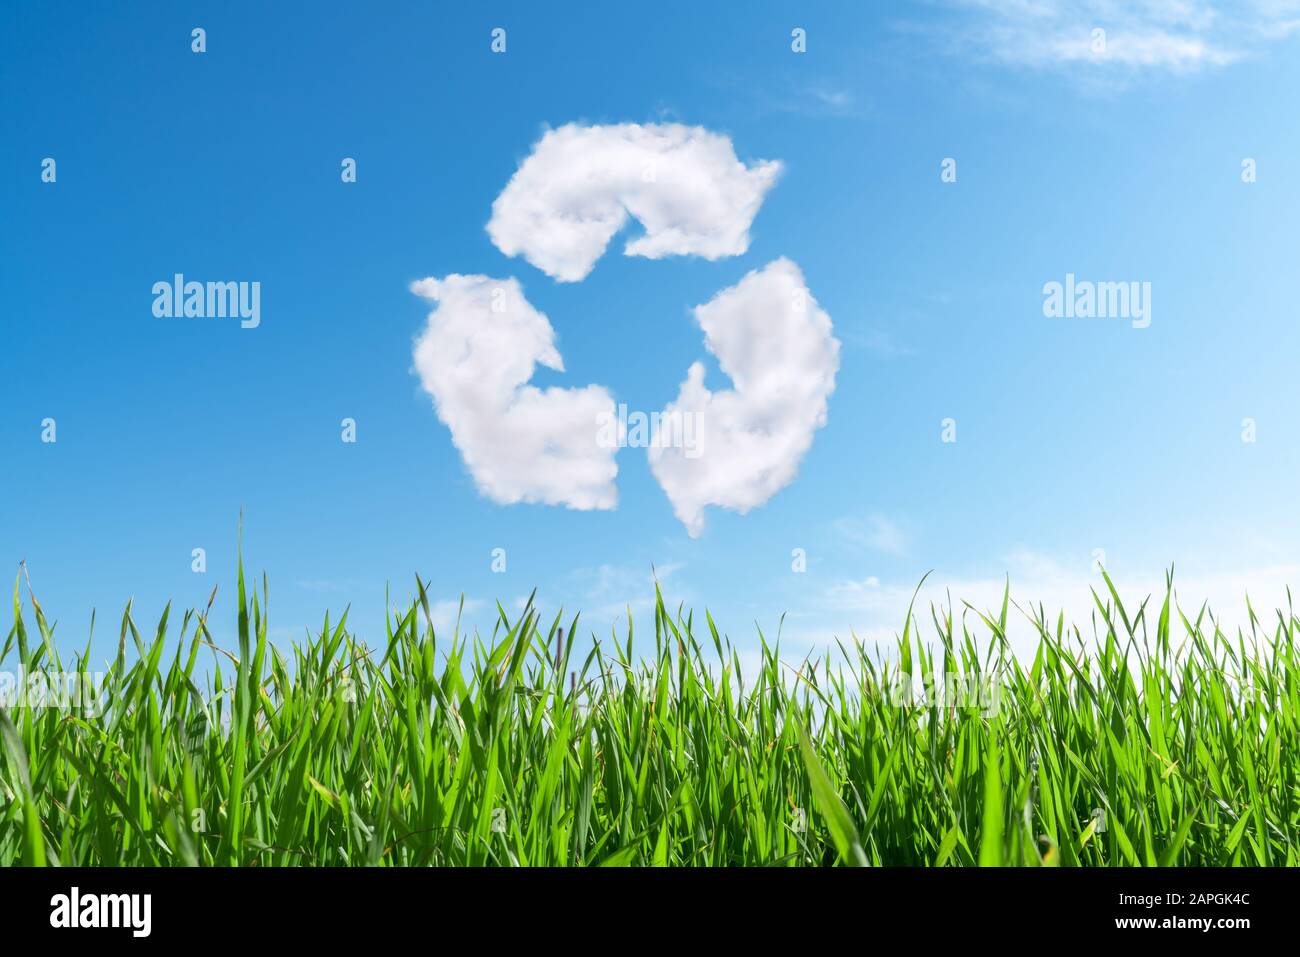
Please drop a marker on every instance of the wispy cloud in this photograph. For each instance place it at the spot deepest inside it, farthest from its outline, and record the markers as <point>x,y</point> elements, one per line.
<point>812,97</point>
<point>445,613</point>
<point>324,585</point>
<point>880,342</point>
<point>875,609</point>
<point>607,591</point>
<point>1110,42</point>
<point>821,99</point>
<point>874,532</point>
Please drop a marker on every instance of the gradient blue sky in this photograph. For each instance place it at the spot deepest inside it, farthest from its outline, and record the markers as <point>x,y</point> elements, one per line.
<point>1073,434</point>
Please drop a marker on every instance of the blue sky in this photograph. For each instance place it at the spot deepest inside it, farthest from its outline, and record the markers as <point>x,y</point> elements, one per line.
<point>1073,434</point>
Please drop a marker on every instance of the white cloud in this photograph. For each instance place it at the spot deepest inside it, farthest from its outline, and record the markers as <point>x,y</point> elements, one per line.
<point>880,342</point>
<point>876,610</point>
<point>520,443</point>
<point>577,188</point>
<point>602,595</point>
<point>445,614</point>
<point>611,590</point>
<point>875,532</point>
<point>1176,36</point>
<point>568,199</point>
<point>775,344</point>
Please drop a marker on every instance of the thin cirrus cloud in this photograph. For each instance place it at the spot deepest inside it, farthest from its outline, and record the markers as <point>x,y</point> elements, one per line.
<point>1173,36</point>
<point>580,184</point>
<point>876,610</point>
<point>775,344</point>
<point>874,532</point>
<point>475,357</point>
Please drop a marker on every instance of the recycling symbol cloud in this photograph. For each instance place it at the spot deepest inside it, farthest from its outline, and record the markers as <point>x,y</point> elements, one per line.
<point>566,202</point>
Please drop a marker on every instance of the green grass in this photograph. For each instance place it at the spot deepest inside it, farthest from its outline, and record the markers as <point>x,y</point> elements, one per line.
<point>1147,739</point>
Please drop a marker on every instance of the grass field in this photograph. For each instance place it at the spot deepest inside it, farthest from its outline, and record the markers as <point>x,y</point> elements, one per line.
<point>1145,738</point>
